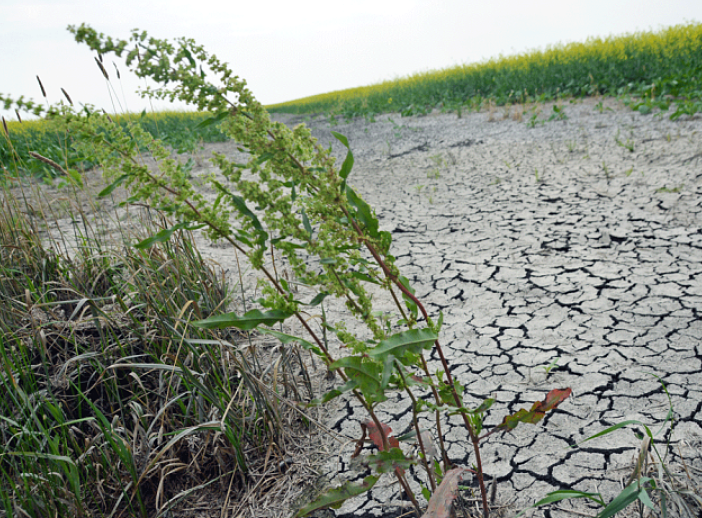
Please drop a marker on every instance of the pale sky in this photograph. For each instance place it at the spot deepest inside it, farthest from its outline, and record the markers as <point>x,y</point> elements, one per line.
<point>294,48</point>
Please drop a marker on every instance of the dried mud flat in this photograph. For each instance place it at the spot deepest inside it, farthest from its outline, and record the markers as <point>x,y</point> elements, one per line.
<point>578,240</point>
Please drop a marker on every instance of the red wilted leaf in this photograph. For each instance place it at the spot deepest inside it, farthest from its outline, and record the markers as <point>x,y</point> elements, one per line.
<point>377,438</point>
<point>440,502</point>
<point>537,412</point>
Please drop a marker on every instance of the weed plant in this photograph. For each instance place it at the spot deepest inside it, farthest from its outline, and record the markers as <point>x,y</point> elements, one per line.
<point>651,69</point>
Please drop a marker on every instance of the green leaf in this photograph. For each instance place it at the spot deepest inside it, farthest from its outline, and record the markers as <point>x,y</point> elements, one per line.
<point>440,322</point>
<point>364,277</point>
<point>263,157</point>
<point>565,494</point>
<point>411,305</point>
<point>165,234</point>
<point>400,344</point>
<point>388,368</point>
<point>188,56</point>
<point>213,120</point>
<point>613,428</point>
<point>629,494</point>
<point>306,223</point>
<point>334,498</point>
<point>38,455</point>
<point>248,321</point>
<point>110,188</point>
<point>317,299</point>
<point>426,493</point>
<point>484,406</point>
<point>365,372</point>
<point>240,205</point>
<point>391,460</point>
<point>364,214</point>
<point>75,176</point>
<point>348,161</point>
<point>645,499</point>
<point>446,393</point>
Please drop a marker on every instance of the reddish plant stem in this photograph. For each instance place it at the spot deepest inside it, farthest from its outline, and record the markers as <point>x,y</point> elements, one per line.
<point>420,440</point>
<point>444,363</point>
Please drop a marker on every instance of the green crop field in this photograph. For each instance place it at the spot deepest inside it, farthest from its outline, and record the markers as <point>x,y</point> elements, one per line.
<point>659,68</point>
<point>180,129</point>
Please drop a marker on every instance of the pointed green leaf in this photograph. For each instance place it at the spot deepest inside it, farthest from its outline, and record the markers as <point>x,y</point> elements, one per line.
<point>317,299</point>
<point>348,161</point>
<point>628,495</point>
<point>366,372</point>
<point>613,428</point>
<point>564,494</point>
<point>75,176</point>
<point>364,214</point>
<point>110,188</point>
<point>388,368</point>
<point>363,277</point>
<point>306,223</point>
<point>645,499</point>
<point>412,341</point>
<point>165,234</point>
<point>212,120</point>
<point>446,393</point>
<point>440,322</point>
<point>334,498</point>
<point>38,455</point>
<point>411,305</point>
<point>484,406</point>
<point>389,461</point>
<point>240,205</point>
<point>248,321</point>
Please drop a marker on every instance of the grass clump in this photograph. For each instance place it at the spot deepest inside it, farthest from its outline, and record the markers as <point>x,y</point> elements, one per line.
<point>112,402</point>
<point>655,67</point>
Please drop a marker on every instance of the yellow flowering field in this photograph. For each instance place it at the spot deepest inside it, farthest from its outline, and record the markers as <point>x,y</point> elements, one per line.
<point>657,67</point>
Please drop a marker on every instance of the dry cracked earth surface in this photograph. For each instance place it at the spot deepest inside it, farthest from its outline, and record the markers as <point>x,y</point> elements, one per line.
<point>574,244</point>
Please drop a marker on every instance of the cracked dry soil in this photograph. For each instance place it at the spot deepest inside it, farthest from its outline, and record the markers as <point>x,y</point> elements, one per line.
<point>578,241</point>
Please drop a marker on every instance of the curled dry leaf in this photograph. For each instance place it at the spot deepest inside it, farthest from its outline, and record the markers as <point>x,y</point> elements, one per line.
<point>376,436</point>
<point>441,501</point>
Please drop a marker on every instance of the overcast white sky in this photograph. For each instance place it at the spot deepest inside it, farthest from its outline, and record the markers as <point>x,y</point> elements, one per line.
<point>294,48</point>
